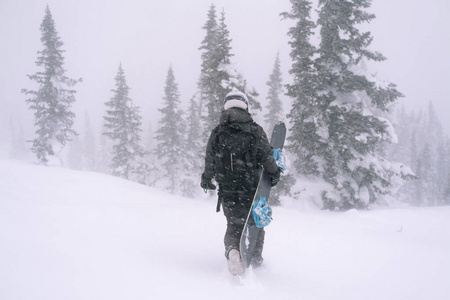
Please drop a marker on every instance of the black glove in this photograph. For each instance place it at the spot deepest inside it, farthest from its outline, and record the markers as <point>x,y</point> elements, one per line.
<point>275,178</point>
<point>206,184</point>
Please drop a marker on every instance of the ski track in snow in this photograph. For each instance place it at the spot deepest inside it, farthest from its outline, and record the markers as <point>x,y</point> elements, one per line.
<point>80,235</point>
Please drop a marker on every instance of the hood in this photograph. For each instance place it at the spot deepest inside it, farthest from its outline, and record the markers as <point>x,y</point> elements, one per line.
<point>235,115</point>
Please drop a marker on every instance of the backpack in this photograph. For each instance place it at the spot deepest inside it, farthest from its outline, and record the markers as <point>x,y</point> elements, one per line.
<point>236,165</point>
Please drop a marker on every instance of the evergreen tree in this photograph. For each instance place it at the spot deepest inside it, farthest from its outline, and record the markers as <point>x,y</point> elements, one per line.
<point>357,108</point>
<point>445,172</point>
<point>401,150</point>
<point>423,146</point>
<point>433,128</point>
<point>170,149</point>
<point>17,139</point>
<point>230,78</point>
<point>52,101</point>
<point>306,142</point>
<point>442,167</point>
<point>89,146</point>
<point>218,77</point>
<point>339,119</point>
<point>75,154</point>
<point>274,105</point>
<point>193,140</point>
<point>193,148</point>
<point>105,153</point>
<point>123,127</point>
<point>209,83</point>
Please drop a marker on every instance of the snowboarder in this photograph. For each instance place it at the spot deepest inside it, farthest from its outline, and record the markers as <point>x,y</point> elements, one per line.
<point>236,150</point>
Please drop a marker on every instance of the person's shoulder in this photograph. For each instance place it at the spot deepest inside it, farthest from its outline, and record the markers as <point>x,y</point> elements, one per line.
<point>257,127</point>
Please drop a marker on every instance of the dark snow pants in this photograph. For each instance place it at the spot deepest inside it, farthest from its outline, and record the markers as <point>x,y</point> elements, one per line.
<point>236,206</point>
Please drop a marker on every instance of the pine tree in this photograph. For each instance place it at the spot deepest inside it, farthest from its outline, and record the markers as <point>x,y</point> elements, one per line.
<point>340,115</point>
<point>423,146</point>
<point>209,84</point>
<point>193,150</point>
<point>442,165</point>
<point>89,146</point>
<point>274,105</point>
<point>193,137</point>
<point>105,152</point>
<point>218,77</point>
<point>53,100</point>
<point>75,154</point>
<point>17,139</point>
<point>123,127</point>
<point>170,148</point>
<point>229,77</point>
<point>306,141</point>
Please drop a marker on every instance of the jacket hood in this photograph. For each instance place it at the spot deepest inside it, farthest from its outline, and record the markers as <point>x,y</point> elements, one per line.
<point>235,115</point>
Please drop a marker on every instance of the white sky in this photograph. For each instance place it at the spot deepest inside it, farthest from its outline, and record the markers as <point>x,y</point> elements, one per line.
<point>146,36</point>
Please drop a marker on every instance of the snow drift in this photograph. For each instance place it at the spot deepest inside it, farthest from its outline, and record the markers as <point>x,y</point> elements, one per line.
<point>79,235</point>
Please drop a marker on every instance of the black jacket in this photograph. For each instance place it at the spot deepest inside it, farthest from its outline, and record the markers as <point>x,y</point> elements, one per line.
<point>263,154</point>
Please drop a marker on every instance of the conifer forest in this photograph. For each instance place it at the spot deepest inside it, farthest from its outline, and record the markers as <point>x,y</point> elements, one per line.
<point>353,141</point>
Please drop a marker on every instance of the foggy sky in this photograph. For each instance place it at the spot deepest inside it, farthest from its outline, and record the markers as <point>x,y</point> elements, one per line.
<point>148,36</point>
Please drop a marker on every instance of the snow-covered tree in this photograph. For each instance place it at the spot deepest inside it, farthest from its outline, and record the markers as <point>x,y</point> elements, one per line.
<point>218,76</point>
<point>193,137</point>
<point>104,153</point>
<point>356,114</point>
<point>340,116</point>
<point>53,99</point>
<point>123,127</point>
<point>230,77</point>
<point>89,145</point>
<point>170,136</point>
<point>17,139</point>
<point>75,154</point>
<point>274,106</point>
<point>305,140</point>
<point>210,88</point>
<point>423,145</point>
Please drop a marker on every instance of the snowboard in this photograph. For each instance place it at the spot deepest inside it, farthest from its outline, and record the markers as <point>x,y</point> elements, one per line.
<point>251,230</point>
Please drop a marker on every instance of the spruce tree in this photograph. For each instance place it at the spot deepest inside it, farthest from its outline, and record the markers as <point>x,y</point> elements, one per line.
<point>229,77</point>
<point>193,137</point>
<point>193,150</point>
<point>123,127</point>
<point>339,119</point>
<point>75,154</point>
<point>218,77</point>
<point>17,140</point>
<point>305,140</point>
<point>89,145</point>
<point>209,83</point>
<point>274,105</point>
<point>170,135</point>
<point>52,101</point>
<point>423,146</point>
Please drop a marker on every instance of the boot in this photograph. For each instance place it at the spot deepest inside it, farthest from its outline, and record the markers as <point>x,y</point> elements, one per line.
<point>235,263</point>
<point>257,261</point>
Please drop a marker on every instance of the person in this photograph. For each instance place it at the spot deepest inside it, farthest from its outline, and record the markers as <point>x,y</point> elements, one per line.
<point>236,176</point>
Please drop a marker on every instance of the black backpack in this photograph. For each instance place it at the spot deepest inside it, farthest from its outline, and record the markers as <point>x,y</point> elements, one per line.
<point>236,149</point>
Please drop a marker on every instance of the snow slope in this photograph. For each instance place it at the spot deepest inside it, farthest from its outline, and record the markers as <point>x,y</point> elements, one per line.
<point>78,235</point>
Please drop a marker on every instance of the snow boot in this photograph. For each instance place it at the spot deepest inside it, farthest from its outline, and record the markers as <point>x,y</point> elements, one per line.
<point>234,263</point>
<point>257,261</point>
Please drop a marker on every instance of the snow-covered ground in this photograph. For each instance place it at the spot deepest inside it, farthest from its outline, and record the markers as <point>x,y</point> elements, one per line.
<point>79,235</point>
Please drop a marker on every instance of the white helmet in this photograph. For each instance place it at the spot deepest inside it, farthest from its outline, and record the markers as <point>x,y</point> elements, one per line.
<point>235,99</point>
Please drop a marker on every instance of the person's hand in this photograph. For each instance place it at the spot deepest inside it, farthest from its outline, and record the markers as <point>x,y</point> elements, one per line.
<point>206,184</point>
<point>275,178</point>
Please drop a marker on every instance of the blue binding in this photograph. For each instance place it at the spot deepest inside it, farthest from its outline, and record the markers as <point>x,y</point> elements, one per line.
<point>262,213</point>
